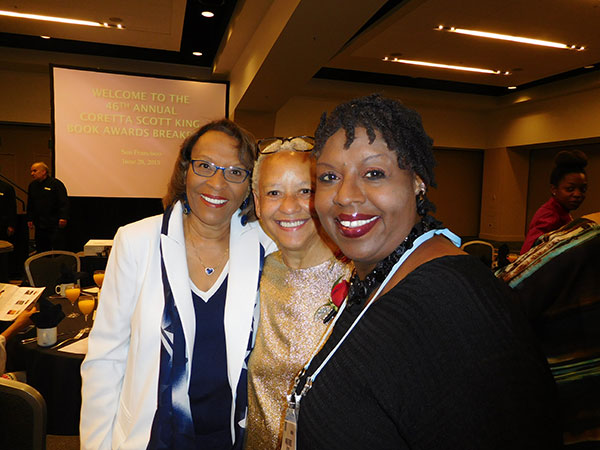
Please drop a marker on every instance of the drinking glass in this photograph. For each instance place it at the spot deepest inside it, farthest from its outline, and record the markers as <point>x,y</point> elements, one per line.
<point>99,278</point>
<point>72,294</point>
<point>86,305</point>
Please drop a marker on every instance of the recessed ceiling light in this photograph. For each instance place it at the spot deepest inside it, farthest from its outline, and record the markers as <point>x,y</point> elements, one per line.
<point>446,66</point>
<point>208,14</point>
<point>45,37</point>
<point>197,53</point>
<point>50,18</point>
<point>511,87</point>
<point>117,26</point>
<point>508,37</point>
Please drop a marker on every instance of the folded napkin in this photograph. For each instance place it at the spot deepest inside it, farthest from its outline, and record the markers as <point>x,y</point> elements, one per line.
<point>67,275</point>
<point>49,314</point>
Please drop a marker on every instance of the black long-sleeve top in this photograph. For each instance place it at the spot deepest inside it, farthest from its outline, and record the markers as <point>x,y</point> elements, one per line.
<point>47,203</point>
<point>443,361</point>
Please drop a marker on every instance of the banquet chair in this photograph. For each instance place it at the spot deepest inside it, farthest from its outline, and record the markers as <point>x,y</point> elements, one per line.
<point>483,250</point>
<point>45,269</point>
<point>22,416</point>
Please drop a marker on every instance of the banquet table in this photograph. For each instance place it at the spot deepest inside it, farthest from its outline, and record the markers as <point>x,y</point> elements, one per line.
<point>55,373</point>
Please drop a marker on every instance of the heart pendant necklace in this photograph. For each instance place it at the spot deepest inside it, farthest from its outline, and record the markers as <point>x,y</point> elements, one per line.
<point>208,270</point>
<point>195,247</point>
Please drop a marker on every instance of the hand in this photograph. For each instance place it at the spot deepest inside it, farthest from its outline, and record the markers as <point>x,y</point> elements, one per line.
<point>30,225</point>
<point>23,320</point>
<point>10,231</point>
<point>62,223</point>
<point>20,323</point>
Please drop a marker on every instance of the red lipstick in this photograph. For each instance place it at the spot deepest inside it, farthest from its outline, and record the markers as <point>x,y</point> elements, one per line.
<point>355,225</point>
<point>213,201</point>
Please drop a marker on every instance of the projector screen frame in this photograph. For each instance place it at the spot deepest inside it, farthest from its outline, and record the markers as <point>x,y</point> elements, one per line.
<point>53,144</point>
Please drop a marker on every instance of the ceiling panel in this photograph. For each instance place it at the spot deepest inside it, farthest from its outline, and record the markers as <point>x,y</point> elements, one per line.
<point>409,32</point>
<point>154,24</point>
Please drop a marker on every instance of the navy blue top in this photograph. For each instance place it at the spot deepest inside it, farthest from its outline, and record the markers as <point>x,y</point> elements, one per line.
<point>210,394</point>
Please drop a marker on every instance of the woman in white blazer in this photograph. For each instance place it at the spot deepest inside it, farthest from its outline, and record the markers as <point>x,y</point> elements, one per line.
<point>166,364</point>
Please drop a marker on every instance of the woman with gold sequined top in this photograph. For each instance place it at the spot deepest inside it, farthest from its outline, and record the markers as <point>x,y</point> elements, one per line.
<point>296,286</point>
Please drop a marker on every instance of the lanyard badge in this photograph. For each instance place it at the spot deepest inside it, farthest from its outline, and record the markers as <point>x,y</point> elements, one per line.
<point>290,424</point>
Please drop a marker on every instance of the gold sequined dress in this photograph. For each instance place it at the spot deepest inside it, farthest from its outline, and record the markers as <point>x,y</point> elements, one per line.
<point>289,332</point>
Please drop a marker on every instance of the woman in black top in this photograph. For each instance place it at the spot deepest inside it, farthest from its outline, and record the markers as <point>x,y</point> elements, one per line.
<point>431,354</point>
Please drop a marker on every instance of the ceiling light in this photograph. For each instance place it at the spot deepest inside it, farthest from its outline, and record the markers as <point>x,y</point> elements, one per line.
<point>50,18</point>
<point>511,87</point>
<point>446,66</point>
<point>208,14</point>
<point>589,67</point>
<point>507,37</point>
<point>45,37</point>
<point>197,53</point>
<point>113,25</point>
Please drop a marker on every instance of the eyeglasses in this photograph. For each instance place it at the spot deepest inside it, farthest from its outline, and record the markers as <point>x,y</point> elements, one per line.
<point>296,143</point>
<point>207,169</point>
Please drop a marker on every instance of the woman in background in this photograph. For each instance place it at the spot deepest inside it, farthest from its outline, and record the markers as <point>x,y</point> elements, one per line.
<point>427,352</point>
<point>167,354</point>
<point>296,286</point>
<point>568,185</point>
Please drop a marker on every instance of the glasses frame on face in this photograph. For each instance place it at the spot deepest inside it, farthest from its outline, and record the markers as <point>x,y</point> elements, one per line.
<point>215,168</point>
<point>265,146</point>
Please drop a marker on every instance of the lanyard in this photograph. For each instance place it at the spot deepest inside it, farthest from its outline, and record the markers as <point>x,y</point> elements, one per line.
<point>310,380</point>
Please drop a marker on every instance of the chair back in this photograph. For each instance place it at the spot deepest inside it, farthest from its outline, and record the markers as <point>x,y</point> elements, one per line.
<point>22,416</point>
<point>483,250</point>
<point>45,269</point>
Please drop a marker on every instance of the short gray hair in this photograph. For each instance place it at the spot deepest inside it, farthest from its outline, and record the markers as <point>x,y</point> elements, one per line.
<point>286,146</point>
<point>43,165</point>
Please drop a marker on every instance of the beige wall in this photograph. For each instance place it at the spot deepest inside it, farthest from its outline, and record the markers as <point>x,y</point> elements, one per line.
<point>560,111</point>
<point>21,146</point>
<point>25,79</point>
<point>503,196</point>
<point>452,120</point>
<point>458,193</point>
<point>25,96</point>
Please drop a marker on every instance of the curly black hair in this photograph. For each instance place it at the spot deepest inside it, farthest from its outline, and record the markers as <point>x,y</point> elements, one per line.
<point>566,162</point>
<point>400,127</point>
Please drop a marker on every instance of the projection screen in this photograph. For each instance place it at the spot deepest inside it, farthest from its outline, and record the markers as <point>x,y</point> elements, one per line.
<point>117,135</point>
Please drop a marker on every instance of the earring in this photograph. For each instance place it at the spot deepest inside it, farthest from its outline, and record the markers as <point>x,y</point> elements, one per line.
<point>186,205</point>
<point>245,203</point>
<point>421,210</point>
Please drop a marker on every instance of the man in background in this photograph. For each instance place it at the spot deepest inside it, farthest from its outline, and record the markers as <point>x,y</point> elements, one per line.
<point>47,209</point>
